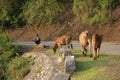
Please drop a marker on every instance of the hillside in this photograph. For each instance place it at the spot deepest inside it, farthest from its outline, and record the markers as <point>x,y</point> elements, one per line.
<point>111,31</point>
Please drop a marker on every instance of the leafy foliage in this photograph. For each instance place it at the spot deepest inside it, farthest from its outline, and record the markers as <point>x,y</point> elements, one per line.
<point>11,66</point>
<point>7,51</point>
<point>93,11</point>
<point>10,11</point>
<point>6,48</point>
<point>41,11</point>
<point>16,13</point>
<point>18,68</point>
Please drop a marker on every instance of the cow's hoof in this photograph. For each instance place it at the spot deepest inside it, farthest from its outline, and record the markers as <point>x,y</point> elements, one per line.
<point>90,55</point>
<point>95,58</point>
<point>85,55</point>
<point>98,56</point>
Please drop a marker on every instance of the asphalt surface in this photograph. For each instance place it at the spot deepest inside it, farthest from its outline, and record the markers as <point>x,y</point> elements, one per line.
<point>110,48</point>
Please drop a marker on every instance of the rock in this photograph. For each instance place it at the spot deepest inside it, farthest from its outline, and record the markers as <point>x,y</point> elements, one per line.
<point>65,52</point>
<point>47,67</point>
<point>69,64</point>
<point>61,76</point>
<point>60,59</point>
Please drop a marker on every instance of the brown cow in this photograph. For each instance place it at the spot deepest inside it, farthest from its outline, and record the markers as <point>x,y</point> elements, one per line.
<point>96,44</point>
<point>83,38</point>
<point>63,40</point>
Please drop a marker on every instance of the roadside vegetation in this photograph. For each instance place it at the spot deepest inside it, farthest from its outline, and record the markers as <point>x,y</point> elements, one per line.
<point>106,67</point>
<point>94,11</point>
<point>12,66</point>
<point>17,13</point>
<point>15,67</point>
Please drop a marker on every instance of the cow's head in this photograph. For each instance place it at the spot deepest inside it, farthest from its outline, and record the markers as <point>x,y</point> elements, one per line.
<point>55,48</point>
<point>86,32</point>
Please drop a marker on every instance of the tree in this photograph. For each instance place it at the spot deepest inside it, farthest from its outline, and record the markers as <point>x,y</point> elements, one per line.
<point>41,11</point>
<point>92,11</point>
<point>10,11</point>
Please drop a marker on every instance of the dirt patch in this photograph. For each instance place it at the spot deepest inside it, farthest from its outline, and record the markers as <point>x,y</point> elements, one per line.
<point>50,32</point>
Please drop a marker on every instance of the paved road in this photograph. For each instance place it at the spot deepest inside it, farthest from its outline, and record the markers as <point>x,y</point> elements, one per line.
<point>111,48</point>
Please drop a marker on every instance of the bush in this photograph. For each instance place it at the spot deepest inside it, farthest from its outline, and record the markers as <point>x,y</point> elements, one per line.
<point>41,11</point>
<point>93,11</point>
<point>10,11</point>
<point>11,66</point>
<point>16,13</point>
<point>7,50</point>
<point>18,68</point>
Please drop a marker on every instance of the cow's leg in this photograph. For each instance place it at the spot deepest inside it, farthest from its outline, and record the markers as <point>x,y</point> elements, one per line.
<point>83,50</point>
<point>71,46</point>
<point>68,46</point>
<point>59,47</point>
<point>98,49</point>
<point>94,53</point>
<point>89,46</point>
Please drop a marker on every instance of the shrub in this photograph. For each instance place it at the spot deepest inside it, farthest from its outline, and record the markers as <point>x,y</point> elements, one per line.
<point>93,11</point>
<point>12,67</point>
<point>10,11</point>
<point>18,68</point>
<point>41,11</point>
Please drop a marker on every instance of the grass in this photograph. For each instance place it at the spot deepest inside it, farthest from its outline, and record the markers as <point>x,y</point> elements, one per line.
<point>38,70</point>
<point>18,68</point>
<point>106,67</point>
<point>102,69</point>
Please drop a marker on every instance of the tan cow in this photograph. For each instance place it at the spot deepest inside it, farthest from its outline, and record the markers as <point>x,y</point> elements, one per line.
<point>96,44</point>
<point>63,40</point>
<point>84,40</point>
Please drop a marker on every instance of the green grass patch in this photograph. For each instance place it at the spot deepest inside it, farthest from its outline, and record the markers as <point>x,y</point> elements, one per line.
<point>106,67</point>
<point>18,68</point>
<point>50,51</point>
<point>101,69</point>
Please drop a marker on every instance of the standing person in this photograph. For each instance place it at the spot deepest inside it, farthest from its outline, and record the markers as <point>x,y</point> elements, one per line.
<point>37,39</point>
